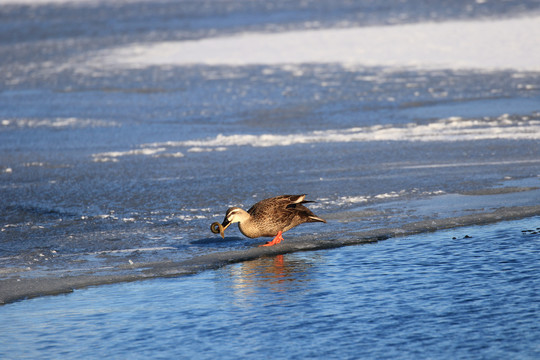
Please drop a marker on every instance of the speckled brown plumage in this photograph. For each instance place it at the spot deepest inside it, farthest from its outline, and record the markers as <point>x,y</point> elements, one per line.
<point>271,217</point>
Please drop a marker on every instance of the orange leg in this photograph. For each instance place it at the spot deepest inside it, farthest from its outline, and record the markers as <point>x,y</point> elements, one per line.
<point>274,241</point>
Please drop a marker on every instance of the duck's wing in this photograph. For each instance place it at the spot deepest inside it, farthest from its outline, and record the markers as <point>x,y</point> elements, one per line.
<point>276,203</point>
<point>290,201</point>
<point>294,208</point>
<point>304,213</point>
<point>283,209</point>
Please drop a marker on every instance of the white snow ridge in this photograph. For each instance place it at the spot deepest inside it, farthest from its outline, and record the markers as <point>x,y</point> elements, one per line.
<point>445,130</point>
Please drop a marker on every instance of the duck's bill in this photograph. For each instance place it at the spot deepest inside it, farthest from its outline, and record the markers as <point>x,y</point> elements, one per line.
<point>224,225</point>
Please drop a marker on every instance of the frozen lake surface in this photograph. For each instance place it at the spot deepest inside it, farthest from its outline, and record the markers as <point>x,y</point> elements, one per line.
<point>127,128</point>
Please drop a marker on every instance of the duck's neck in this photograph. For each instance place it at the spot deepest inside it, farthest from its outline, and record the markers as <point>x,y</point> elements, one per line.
<point>247,227</point>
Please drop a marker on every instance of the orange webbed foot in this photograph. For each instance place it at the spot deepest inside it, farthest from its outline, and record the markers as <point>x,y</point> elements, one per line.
<point>275,240</point>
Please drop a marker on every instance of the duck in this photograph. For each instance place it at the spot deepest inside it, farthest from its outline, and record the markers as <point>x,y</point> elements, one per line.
<point>269,218</point>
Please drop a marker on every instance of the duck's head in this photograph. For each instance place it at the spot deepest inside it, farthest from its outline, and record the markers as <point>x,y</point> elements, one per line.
<point>233,215</point>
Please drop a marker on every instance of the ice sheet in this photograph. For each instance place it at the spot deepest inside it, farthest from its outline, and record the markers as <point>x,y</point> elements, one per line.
<point>494,44</point>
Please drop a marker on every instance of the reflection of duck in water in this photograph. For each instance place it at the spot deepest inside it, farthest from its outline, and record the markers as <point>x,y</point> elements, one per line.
<point>269,218</point>
<point>276,279</point>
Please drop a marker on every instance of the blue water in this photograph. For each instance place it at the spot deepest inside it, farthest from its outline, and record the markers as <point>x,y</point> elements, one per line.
<point>69,207</point>
<point>469,293</point>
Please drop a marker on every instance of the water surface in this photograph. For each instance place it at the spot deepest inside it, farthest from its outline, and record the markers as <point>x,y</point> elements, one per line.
<point>463,293</point>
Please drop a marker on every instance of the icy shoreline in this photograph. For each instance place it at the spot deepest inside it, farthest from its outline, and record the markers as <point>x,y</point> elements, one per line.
<point>21,289</point>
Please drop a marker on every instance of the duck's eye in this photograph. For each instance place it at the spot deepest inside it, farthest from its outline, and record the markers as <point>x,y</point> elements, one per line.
<point>232,214</point>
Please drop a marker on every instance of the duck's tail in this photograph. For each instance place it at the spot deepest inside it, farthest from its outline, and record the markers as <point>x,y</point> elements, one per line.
<point>298,199</point>
<point>315,218</point>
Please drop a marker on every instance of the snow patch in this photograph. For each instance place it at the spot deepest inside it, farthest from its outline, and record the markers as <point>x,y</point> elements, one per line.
<point>485,44</point>
<point>56,123</point>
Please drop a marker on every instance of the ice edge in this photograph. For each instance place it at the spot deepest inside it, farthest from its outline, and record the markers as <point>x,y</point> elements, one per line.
<point>21,289</point>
